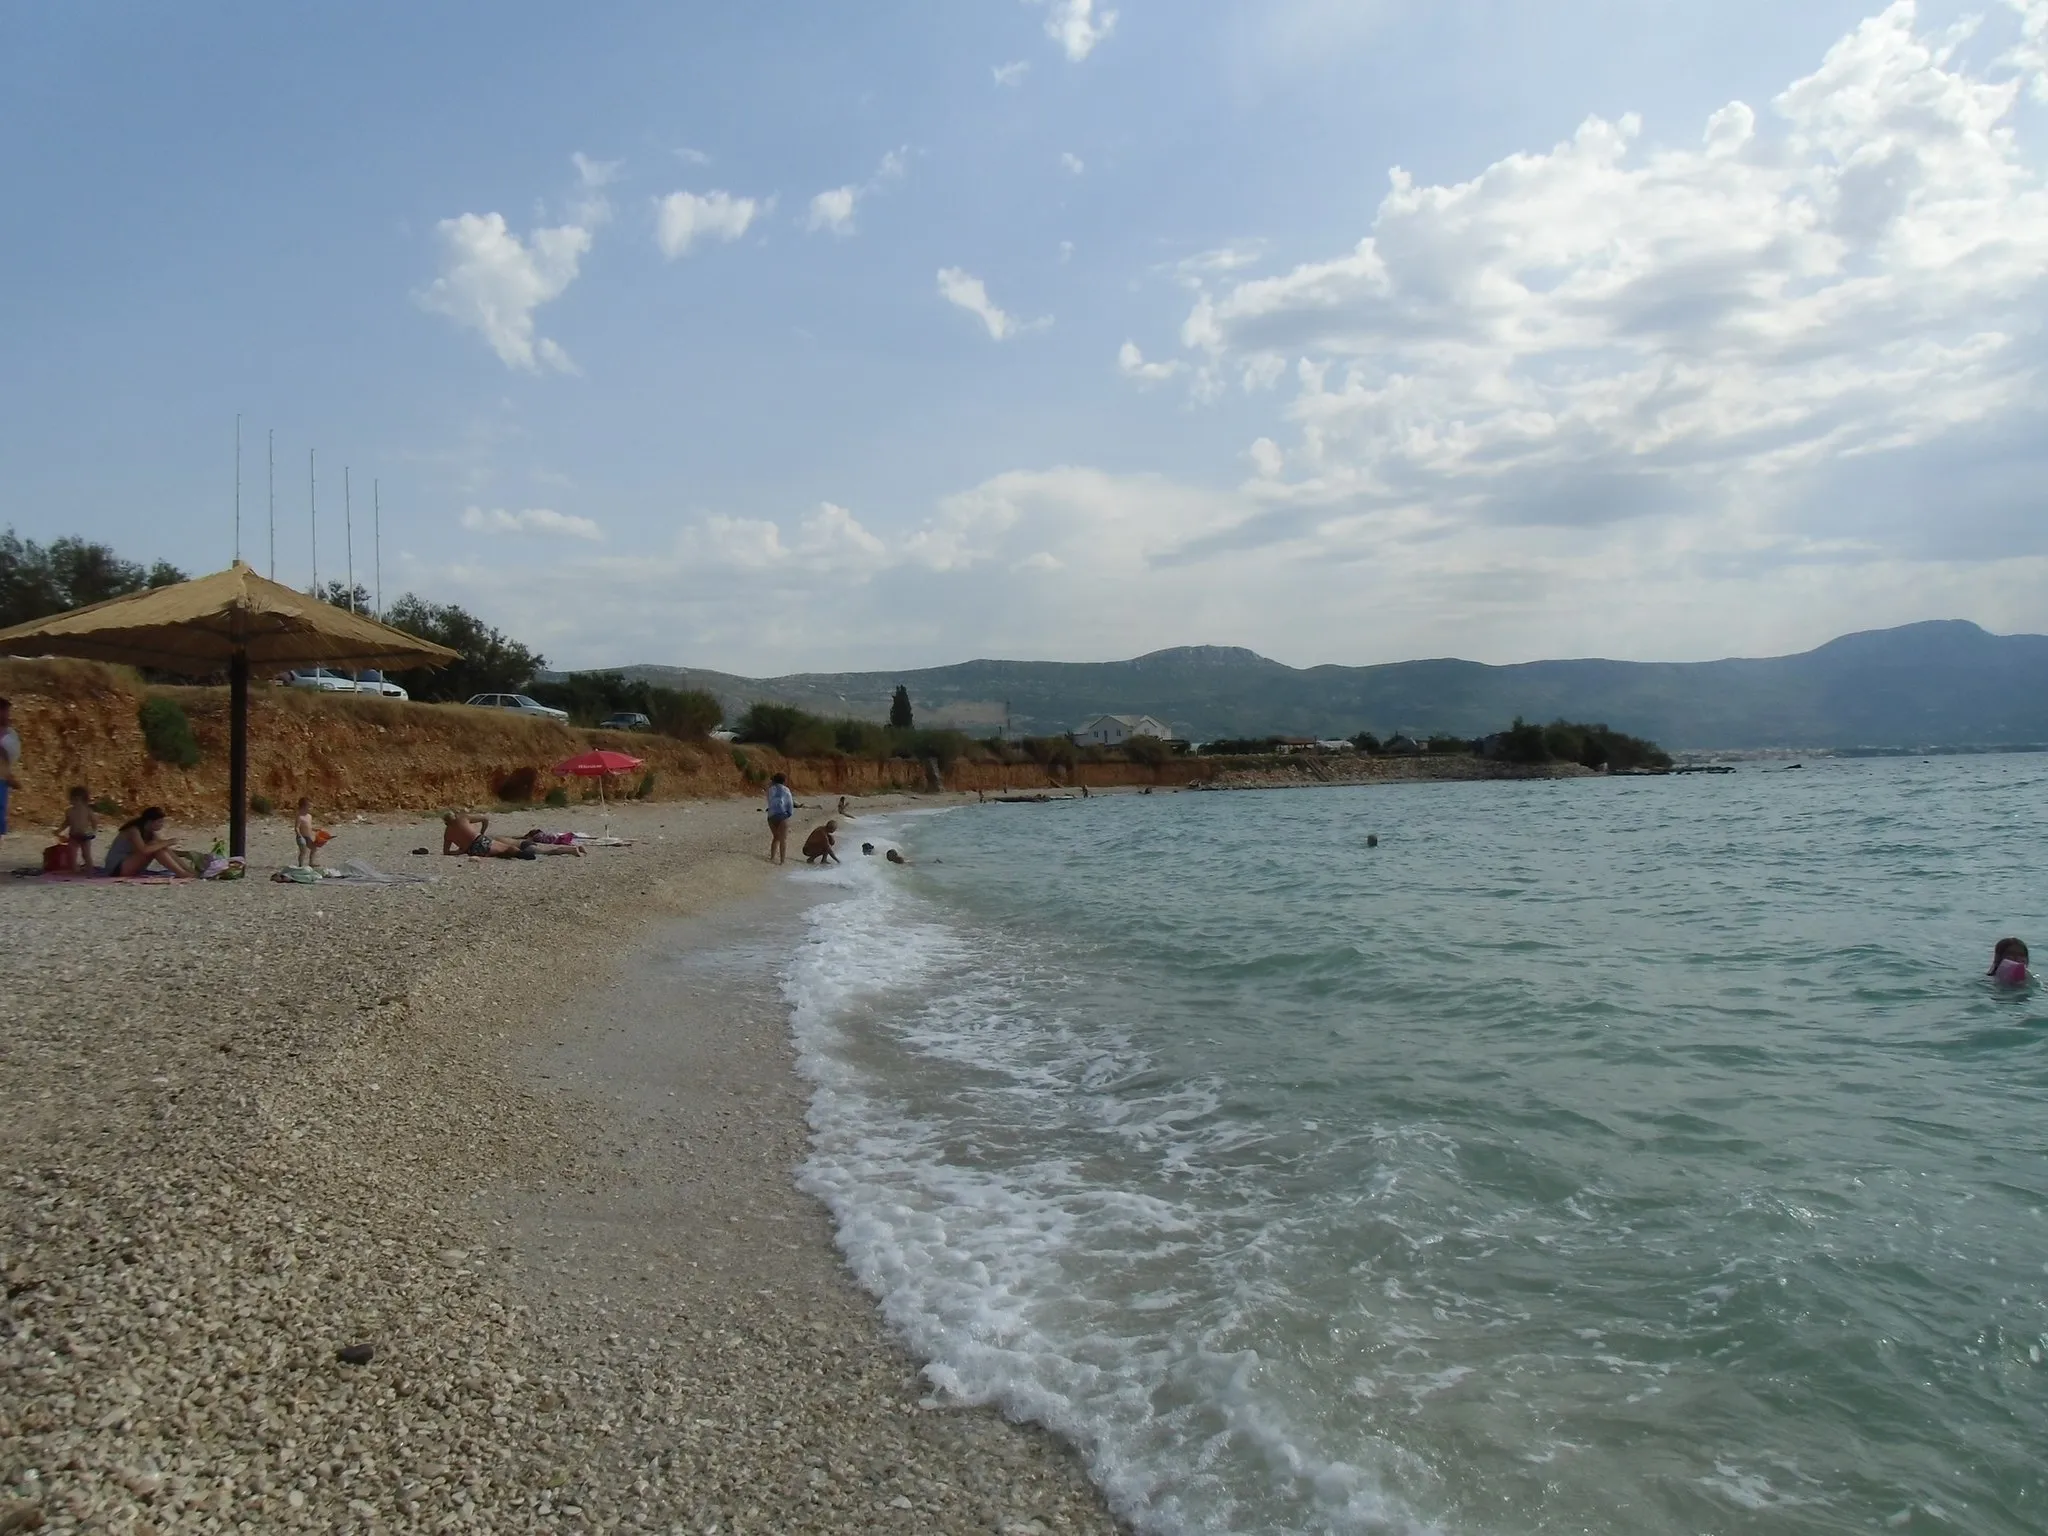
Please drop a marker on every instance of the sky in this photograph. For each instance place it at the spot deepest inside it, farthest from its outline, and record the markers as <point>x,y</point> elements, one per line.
<point>807,336</point>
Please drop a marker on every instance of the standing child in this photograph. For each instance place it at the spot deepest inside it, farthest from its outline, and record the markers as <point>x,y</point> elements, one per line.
<point>81,825</point>
<point>302,832</point>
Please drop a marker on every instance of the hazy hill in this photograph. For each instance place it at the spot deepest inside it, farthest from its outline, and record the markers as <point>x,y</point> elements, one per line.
<point>1944,683</point>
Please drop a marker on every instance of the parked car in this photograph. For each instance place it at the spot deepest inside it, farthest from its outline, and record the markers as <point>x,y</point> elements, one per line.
<point>625,720</point>
<point>321,679</point>
<point>378,683</point>
<point>519,703</point>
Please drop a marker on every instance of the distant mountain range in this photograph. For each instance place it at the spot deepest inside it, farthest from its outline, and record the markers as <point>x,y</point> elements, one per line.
<point>1944,683</point>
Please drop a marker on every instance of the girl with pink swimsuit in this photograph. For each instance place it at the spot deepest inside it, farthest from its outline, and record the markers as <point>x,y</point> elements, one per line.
<point>2009,963</point>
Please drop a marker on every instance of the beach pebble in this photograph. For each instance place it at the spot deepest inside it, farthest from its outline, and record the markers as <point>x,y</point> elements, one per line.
<point>175,1253</point>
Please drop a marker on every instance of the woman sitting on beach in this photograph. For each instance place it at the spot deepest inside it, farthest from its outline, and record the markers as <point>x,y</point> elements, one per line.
<point>140,843</point>
<point>2009,963</point>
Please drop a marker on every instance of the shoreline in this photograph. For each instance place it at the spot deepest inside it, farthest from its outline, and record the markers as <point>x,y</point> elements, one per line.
<point>252,1125</point>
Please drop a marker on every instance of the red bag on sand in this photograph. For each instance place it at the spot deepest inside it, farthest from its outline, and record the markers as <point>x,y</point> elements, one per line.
<point>56,858</point>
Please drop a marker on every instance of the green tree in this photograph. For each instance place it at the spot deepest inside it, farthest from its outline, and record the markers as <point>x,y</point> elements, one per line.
<point>356,599</point>
<point>36,582</point>
<point>899,710</point>
<point>492,662</point>
<point>1147,750</point>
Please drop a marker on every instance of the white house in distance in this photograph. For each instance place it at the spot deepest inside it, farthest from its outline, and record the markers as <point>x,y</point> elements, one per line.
<point>1115,730</point>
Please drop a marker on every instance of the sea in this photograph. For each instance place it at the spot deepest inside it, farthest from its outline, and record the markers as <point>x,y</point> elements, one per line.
<point>1644,1155</point>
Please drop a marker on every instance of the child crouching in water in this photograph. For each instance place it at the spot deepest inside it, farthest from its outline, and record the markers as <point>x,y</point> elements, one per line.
<point>2009,963</point>
<point>81,826</point>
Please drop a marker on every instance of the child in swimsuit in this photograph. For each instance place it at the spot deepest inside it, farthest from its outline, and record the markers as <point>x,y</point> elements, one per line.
<point>302,833</point>
<point>81,826</point>
<point>2009,963</point>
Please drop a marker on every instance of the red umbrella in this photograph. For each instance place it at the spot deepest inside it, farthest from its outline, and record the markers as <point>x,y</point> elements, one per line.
<point>598,765</point>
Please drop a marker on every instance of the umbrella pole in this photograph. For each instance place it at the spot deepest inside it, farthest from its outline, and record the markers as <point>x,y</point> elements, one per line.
<point>238,755</point>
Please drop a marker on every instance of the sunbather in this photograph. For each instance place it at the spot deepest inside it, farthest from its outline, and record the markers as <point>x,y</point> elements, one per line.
<point>460,835</point>
<point>141,843</point>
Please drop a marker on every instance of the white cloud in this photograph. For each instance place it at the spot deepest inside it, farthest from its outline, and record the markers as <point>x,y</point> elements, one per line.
<point>1076,25</point>
<point>684,218</point>
<point>593,208</point>
<point>1011,74</point>
<point>1066,252</point>
<point>833,210</point>
<point>1072,162</point>
<point>595,173</point>
<point>540,520</point>
<point>1133,365</point>
<point>2030,54</point>
<point>691,156</point>
<point>1708,334</point>
<point>491,282</point>
<point>971,294</point>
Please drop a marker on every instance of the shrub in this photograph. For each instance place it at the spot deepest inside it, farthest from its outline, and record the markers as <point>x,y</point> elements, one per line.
<point>556,797</point>
<point>1524,743</point>
<point>1147,750</point>
<point>645,788</point>
<point>106,807</point>
<point>1366,742</point>
<point>1591,746</point>
<point>168,733</point>
<point>260,804</point>
<point>687,714</point>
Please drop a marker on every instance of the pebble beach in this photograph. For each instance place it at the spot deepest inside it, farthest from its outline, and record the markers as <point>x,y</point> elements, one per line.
<point>444,1206</point>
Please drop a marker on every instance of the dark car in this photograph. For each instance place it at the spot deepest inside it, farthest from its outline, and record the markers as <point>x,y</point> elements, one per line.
<point>625,720</point>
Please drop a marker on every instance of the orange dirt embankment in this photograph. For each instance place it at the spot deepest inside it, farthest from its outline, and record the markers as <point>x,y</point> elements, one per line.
<point>78,725</point>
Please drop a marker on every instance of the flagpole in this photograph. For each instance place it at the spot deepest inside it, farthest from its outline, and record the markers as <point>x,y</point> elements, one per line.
<point>238,487</point>
<point>313,500</point>
<point>270,440</point>
<point>377,542</point>
<point>348,529</point>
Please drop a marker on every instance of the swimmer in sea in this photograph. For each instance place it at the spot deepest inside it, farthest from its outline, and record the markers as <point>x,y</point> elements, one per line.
<point>2009,963</point>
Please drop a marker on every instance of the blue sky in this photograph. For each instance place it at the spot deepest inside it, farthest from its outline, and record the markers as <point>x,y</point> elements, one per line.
<point>819,336</point>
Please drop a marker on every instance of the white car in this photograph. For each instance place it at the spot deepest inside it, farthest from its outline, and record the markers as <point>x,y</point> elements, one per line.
<point>321,679</point>
<point>519,703</point>
<point>379,684</point>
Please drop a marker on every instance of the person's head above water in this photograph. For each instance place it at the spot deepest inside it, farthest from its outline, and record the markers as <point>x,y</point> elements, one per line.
<point>867,847</point>
<point>2009,961</point>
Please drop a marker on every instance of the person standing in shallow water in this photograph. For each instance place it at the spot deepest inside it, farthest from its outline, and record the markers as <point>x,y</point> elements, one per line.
<point>781,806</point>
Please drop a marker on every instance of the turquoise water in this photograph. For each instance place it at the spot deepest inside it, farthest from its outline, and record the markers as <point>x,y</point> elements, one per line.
<point>1607,1156</point>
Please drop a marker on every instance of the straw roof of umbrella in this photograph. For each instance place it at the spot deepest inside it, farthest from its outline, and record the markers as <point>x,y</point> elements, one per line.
<point>232,620</point>
<point>200,626</point>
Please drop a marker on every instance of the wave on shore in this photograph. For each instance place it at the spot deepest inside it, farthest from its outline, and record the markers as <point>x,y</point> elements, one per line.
<point>951,1127</point>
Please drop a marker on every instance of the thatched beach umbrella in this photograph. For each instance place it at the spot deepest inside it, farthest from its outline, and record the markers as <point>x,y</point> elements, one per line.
<point>229,620</point>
